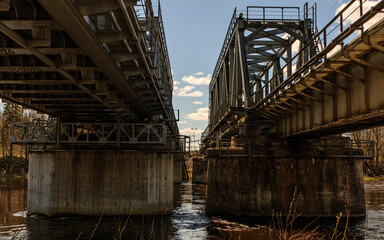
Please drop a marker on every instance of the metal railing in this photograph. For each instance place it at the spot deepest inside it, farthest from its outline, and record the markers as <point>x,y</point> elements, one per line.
<point>42,132</point>
<point>273,14</point>
<point>38,132</point>
<point>205,134</point>
<point>328,39</point>
<point>365,149</point>
<point>224,48</point>
<point>146,12</point>
<point>287,14</point>
<point>183,144</point>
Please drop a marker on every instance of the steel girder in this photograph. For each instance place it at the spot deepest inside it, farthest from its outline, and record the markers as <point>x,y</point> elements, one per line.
<point>251,58</point>
<point>104,51</point>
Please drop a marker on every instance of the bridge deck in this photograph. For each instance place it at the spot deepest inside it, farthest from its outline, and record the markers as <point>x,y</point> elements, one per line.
<point>319,83</point>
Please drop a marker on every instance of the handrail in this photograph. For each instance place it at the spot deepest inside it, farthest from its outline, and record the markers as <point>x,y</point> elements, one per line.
<point>290,13</point>
<point>232,26</point>
<point>204,135</point>
<point>228,36</point>
<point>165,49</point>
<point>328,46</point>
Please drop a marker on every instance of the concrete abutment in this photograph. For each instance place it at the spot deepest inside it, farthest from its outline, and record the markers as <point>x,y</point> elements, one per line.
<point>263,179</point>
<point>100,183</point>
<point>199,170</point>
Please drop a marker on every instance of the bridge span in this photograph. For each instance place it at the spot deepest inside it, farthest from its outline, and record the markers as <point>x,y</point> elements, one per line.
<point>100,70</point>
<point>279,93</point>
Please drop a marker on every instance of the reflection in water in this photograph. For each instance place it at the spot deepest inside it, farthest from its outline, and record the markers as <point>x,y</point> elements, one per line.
<point>188,220</point>
<point>13,201</point>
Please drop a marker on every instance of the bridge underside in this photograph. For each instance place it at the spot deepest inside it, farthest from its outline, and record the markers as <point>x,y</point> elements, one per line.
<point>340,95</point>
<point>100,71</point>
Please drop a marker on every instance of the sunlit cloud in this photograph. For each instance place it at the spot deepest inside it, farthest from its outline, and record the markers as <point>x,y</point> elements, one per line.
<point>197,102</point>
<point>187,91</point>
<point>197,79</point>
<point>200,115</point>
<point>175,87</point>
<point>353,12</point>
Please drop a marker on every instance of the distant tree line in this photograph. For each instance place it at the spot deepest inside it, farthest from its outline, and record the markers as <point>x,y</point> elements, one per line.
<point>13,158</point>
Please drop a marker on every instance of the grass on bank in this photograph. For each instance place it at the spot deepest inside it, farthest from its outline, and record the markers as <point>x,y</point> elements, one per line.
<point>8,175</point>
<point>374,179</point>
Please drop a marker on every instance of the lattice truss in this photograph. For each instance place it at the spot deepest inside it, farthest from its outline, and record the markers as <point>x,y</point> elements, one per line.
<point>48,132</point>
<point>257,44</point>
<point>276,70</point>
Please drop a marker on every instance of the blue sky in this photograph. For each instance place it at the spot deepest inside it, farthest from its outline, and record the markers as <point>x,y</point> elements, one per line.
<point>195,31</point>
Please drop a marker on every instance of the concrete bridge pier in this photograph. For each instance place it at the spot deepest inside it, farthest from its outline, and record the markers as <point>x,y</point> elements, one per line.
<point>88,182</point>
<point>178,168</point>
<point>262,179</point>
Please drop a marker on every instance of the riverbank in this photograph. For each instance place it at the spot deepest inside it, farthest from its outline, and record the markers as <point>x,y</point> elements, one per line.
<point>374,179</point>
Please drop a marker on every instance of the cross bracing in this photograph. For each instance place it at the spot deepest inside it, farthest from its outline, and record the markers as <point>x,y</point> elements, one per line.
<point>87,61</point>
<point>284,73</point>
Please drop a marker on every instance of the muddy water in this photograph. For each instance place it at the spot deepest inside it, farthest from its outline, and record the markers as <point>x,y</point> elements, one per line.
<point>188,220</point>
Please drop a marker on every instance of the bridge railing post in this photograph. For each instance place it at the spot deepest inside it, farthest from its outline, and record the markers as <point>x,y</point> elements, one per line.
<point>58,121</point>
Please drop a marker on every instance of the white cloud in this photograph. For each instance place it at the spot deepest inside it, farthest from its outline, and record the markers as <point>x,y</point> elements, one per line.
<point>295,45</point>
<point>353,12</point>
<point>182,122</point>
<point>197,79</point>
<point>200,115</point>
<point>187,92</point>
<point>198,102</point>
<point>175,87</point>
<point>190,131</point>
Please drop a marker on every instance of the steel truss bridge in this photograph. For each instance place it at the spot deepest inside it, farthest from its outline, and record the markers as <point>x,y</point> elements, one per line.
<point>99,68</point>
<point>277,70</point>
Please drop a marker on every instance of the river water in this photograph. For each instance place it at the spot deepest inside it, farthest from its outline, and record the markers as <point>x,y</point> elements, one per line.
<point>188,220</point>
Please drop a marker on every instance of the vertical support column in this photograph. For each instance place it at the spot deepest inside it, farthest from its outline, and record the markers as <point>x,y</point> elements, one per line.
<point>58,128</point>
<point>334,102</point>
<point>232,76</point>
<point>348,97</point>
<point>243,63</point>
<point>322,107</point>
<point>289,56</point>
<point>118,130</point>
<point>366,89</point>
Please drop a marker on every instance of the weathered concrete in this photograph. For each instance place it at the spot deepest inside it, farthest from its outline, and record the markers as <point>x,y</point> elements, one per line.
<point>178,167</point>
<point>100,182</point>
<point>326,177</point>
<point>199,170</point>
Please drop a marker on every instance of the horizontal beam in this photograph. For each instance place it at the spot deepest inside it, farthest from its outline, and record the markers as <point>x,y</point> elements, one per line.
<point>87,7</point>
